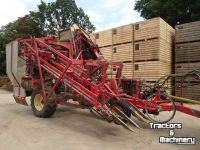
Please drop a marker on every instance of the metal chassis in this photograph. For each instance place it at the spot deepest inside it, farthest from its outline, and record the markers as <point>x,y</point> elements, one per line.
<point>96,95</point>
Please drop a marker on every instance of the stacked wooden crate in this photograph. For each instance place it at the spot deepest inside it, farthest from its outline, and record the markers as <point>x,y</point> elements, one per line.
<point>123,34</point>
<point>116,44</point>
<point>123,48</point>
<point>145,48</point>
<point>93,37</point>
<point>187,56</point>
<point>104,41</point>
<point>154,42</point>
<point>104,38</point>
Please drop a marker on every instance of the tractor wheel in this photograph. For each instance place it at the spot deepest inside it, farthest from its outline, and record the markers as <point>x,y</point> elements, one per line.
<point>40,109</point>
<point>121,105</point>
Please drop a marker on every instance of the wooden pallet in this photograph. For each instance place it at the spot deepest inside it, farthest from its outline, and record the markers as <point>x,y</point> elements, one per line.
<point>187,52</point>
<point>152,28</point>
<point>151,70</point>
<point>153,49</point>
<point>187,32</point>
<point>123,52</point>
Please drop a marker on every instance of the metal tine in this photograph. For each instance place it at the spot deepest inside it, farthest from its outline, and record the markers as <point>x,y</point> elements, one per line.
<point>119,120</point>
<point>123,124</point>
<point>92,111</point>
<point>138,116</point>
<point>136,109</point>
<point>128,119</point>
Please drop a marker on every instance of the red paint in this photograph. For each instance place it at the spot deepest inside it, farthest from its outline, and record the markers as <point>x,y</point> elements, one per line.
<point>55,60</point>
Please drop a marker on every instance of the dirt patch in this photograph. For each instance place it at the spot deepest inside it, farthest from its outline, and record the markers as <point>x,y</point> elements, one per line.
<point>5,83</point>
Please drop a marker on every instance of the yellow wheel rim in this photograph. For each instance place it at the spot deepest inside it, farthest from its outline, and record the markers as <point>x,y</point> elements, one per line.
<point>114,109</point>
<point>38,102</point>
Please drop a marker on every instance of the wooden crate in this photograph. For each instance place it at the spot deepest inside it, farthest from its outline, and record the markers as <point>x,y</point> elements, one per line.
<point>169,87</point>
<point>153,49</point>
<point>183,68</point>
<point>107,52</point>
<point>111,73</point>
<point>153,28</point>
<point>187,52</point>
<point>104,38</point>
<point>191,92</point>
<point>93,37</point>
<point>123,52</point>
<point>127,70</point>
<point>151,70</point>
<point>122,34</point>
<point>187,32</point>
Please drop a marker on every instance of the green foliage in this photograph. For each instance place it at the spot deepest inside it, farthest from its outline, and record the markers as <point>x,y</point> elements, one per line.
<point>6,35</point>
<point>2,63</point>
<point>62,14</point>
<point>172,11</point>
<point>28,26</point>
<point>23,27</point>
<point>51,17</point>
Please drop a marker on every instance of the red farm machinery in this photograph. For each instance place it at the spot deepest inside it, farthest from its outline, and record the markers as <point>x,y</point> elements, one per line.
<point>70,70</point>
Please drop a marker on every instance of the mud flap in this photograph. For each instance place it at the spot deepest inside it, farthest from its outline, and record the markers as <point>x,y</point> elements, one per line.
<point>20,100</point>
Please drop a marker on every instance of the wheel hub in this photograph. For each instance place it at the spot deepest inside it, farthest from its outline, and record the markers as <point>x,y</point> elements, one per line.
<point>159,108</point>
<point>114,109</point>
<point>38,102</point>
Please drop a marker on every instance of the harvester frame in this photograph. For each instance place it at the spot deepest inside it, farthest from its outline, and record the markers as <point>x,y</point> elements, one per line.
<point>71,67</point>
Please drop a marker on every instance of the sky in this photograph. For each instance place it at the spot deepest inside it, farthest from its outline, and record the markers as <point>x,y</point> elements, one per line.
<point>104,14</point>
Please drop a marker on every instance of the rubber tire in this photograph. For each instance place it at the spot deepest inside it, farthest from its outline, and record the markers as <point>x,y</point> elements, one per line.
<point>126,110</point>
<point>28,93</point>
<point>48,109</point>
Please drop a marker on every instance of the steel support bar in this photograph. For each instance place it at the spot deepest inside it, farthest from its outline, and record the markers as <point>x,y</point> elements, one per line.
<point>40,70</point>
<point>185,99</point>
<point>57,81</point>
<point>53,50</point>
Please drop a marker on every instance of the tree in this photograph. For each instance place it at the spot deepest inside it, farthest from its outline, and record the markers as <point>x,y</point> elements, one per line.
<point>62,14</point>
<point>51,17</point>
<point>2,63</point>
<point>29,26</point>
<point>6,35</point>
<point>23,27</point>
<point>172,11</point>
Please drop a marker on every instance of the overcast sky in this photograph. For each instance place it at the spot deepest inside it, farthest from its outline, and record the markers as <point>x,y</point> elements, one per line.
<point>104,14</point>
